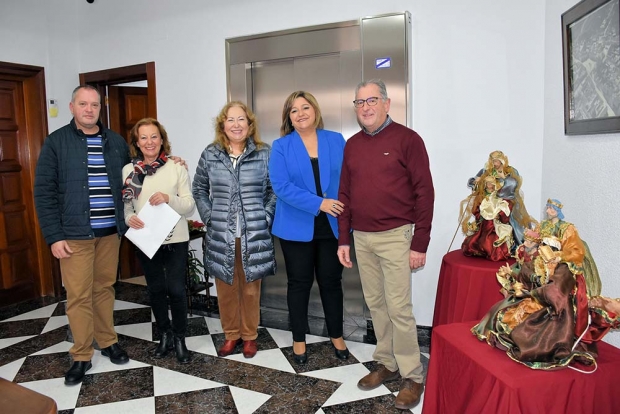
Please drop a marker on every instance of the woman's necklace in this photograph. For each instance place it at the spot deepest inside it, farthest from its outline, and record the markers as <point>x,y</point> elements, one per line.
<point>232,151</point>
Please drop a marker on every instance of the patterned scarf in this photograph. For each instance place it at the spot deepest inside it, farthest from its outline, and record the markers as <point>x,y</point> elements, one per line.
<point>133,182</point>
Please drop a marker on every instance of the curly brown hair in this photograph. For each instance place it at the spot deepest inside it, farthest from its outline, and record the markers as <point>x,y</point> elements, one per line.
<point>220,135</point>
<point>134,150</point>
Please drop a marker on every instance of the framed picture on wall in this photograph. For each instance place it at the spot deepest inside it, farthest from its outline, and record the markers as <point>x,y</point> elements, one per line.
<point>591,52</point>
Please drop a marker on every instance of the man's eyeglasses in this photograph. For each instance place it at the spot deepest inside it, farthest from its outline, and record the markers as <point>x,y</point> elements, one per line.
<point>372,101</point>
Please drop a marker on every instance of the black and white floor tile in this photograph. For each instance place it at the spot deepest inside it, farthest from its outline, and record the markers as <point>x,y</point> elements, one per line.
<point>34,341</point>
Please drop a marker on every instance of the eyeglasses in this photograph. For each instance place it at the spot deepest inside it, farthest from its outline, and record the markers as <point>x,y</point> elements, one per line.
<point>372,101</point>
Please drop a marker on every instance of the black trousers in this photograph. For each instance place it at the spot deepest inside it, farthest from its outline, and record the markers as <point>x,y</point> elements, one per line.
<point>165,280</point>
<point>303,261</point>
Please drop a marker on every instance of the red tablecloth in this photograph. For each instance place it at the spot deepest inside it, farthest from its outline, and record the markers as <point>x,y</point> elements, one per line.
<point>467,288</point>
<point>466,375</point>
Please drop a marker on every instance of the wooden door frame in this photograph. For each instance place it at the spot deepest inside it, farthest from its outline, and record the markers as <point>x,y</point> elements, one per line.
<point>35,104</point>
<point>143,71</point>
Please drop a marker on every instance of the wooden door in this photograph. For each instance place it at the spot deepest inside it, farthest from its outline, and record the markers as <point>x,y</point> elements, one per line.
<point>128,105</point>
<point>19,264</point>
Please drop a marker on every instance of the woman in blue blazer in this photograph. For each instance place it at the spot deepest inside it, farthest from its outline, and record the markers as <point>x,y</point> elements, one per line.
<point>304,169</point>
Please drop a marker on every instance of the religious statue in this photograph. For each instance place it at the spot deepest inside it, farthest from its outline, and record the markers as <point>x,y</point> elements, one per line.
<point>552,313</point>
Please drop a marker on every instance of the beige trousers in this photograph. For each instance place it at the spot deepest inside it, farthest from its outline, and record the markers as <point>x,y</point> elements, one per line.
<point>88,276</point>
<point>383,260</point>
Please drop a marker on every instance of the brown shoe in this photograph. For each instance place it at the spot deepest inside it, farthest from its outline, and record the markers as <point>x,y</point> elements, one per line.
<point>229,347</point>
<point>376,378</point>
<point>249,348</point>
<point>409,394</point>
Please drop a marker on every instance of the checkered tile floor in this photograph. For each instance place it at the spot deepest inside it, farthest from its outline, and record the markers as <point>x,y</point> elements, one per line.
<point>34,342</point>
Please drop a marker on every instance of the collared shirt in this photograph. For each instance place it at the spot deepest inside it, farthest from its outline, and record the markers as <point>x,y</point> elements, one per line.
<point>387,122</point>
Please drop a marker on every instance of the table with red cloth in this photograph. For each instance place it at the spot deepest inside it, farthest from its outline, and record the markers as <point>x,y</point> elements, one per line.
<point>466,375</point>
<point>467,288</point>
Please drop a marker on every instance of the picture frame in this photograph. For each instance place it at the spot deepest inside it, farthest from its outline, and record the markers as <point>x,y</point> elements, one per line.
<point>591,56</point>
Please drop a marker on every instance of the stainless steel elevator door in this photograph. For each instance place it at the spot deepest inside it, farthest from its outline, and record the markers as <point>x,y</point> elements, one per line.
<point>274,81</point>
<point>331,78</point>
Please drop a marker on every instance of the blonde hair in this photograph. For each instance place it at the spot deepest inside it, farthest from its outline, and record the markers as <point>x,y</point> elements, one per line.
<point>220,135</point>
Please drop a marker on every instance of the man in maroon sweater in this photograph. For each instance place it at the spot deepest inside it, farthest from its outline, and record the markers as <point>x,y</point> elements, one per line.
<point>387,189</point>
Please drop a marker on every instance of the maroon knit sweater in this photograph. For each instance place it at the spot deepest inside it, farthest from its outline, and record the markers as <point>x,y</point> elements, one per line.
<point>386,183</point>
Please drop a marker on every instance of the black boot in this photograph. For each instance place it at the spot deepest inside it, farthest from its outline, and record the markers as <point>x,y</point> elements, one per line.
<point>165,344</point>
<point>116,354</point>
<point>75,375</point>
<point>181,350</point>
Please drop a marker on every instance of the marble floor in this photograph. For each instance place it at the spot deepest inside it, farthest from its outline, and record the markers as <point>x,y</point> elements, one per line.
<point>34,340</point>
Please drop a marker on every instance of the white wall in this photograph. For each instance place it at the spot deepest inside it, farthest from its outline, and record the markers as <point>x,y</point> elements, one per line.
<point>43,34</point>
<point>478,82</point>
<point>478,78</point>
<point>580,171</point>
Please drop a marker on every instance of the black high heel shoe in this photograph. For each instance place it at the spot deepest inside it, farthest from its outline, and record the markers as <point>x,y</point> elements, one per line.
<point>300,358</point>
<point>341,354</point>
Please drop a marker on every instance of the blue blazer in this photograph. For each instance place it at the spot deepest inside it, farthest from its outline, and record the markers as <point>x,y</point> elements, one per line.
<point>292,179</point>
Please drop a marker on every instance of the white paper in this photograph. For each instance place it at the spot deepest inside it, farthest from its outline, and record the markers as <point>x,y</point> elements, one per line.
<point>158,223</point>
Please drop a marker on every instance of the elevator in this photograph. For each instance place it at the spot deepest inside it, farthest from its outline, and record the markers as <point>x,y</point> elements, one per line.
<point>327,61</point>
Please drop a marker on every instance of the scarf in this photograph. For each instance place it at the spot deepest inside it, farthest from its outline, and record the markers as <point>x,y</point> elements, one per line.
<point>133,182</point>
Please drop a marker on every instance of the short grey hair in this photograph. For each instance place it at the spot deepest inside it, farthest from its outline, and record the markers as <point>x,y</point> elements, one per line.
<point>87,87</point>
<point>380,84</point>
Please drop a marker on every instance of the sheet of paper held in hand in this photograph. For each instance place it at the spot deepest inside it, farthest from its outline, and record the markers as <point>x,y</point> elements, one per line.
<point>158,223</point>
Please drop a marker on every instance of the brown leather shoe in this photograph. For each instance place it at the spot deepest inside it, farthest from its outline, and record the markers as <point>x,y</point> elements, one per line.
<point>376,378</point>
<point>409,394</point>
<point>249,348</point>
<point>228,347</point>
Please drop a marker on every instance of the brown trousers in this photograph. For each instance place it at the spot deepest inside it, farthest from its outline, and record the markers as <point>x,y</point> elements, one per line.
<point>239,303</point>
<point>88,276</point>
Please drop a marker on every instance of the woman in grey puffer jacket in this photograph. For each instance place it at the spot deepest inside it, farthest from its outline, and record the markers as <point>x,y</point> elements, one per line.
<point>235,200</point>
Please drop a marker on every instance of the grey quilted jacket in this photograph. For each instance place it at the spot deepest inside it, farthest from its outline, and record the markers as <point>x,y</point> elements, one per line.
<point>220,191</point>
